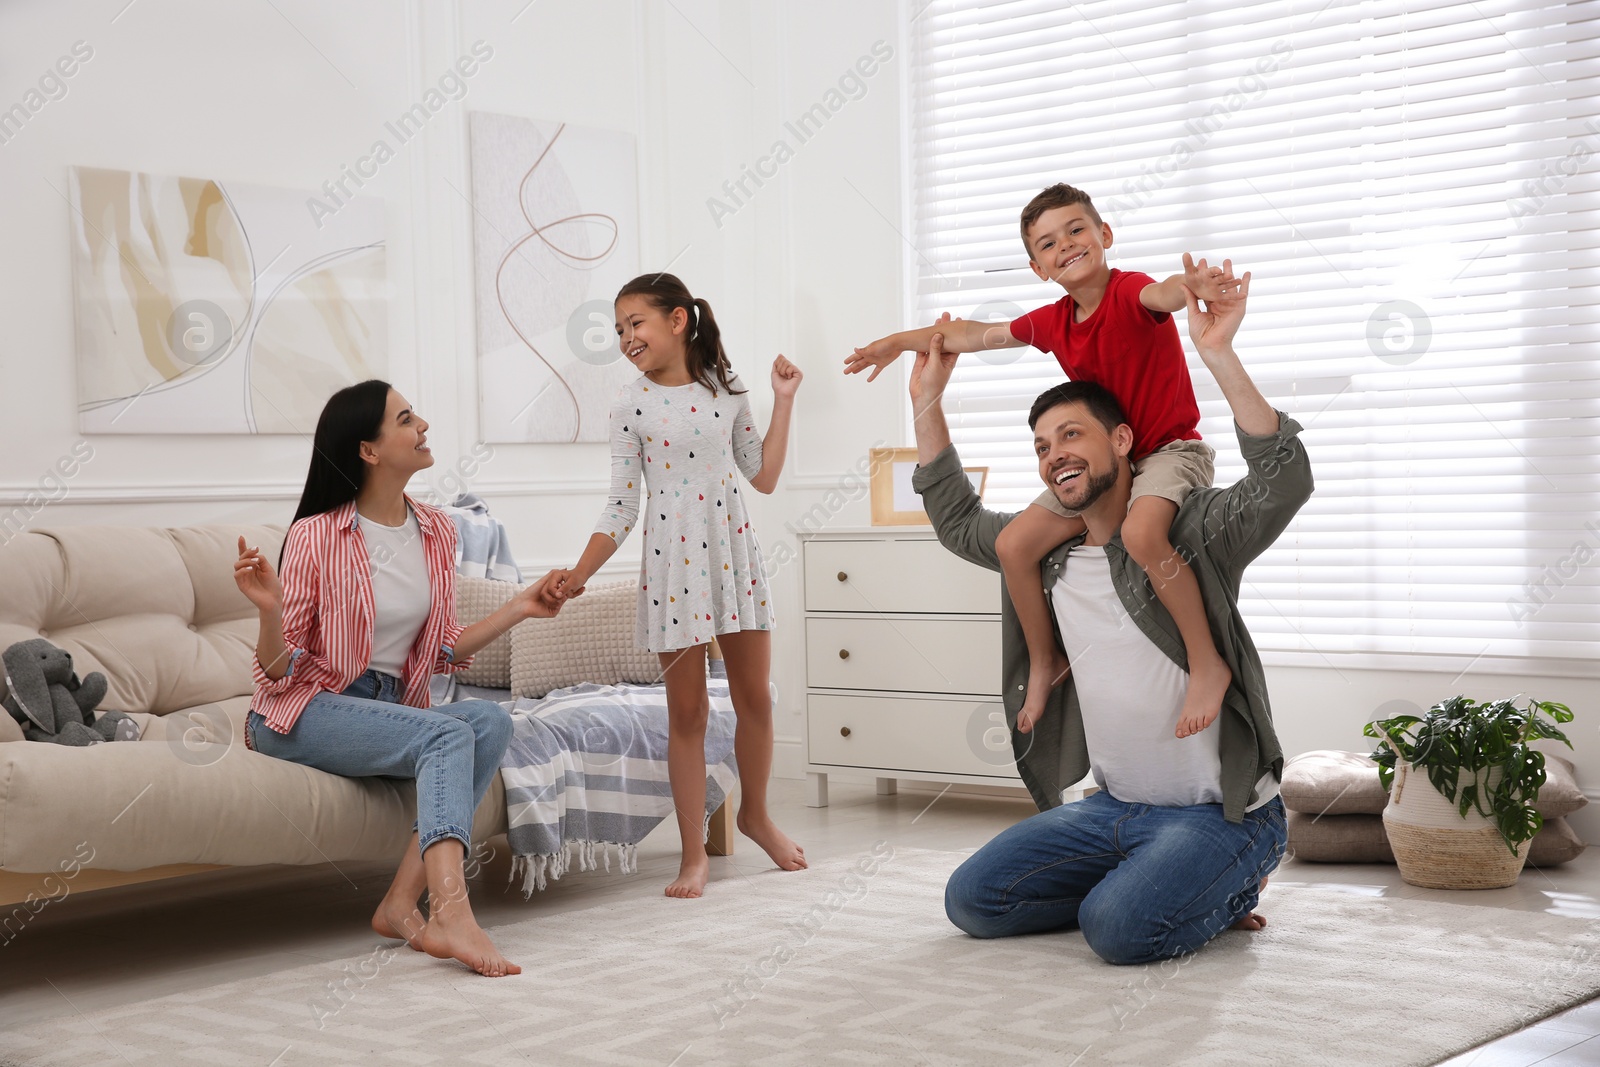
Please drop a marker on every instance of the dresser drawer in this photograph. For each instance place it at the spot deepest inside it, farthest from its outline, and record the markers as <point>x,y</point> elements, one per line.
<point>917,655</point>
<point>901,575</point>
<point>907,734</point>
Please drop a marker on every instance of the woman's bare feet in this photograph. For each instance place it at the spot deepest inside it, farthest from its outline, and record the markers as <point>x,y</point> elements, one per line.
<point>777,844</point>
<point>453,933</point>
<point>394,921</point>
<point>692,875</point>
<point>1208,684</point>
<point>1044,674</point>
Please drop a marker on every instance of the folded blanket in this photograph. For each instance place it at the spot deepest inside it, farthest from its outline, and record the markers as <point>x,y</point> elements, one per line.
<point>586,773</point>
<point>483,547</point>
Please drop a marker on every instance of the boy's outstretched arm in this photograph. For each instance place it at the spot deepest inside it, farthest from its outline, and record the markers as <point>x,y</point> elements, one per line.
<point>960,335</point>
<point>1207,282</point>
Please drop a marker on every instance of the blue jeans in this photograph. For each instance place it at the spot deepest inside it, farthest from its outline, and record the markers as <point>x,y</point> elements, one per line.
<point>1143,883</point>
<point>452,750</point>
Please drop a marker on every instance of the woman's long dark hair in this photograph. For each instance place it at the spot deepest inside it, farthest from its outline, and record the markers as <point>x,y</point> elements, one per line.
<point>706,357</point>
<point>352,415</point>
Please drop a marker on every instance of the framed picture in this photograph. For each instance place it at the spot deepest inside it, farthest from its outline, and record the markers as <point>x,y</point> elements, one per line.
<point>894,503</point>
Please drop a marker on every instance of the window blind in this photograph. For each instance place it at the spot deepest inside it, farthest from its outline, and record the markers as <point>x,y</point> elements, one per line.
<point>1413,186</point>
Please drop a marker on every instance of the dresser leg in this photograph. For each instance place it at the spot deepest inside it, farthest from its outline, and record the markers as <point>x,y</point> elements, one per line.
<point>816,790</point>
<point>887,787</point>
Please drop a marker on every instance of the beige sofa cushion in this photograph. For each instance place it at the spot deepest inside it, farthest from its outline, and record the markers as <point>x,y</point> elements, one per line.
<point>175,798</point>
<point>591,640</point>
<point>155,610</point>
<point>477,599</point>
<point>1361,839</point>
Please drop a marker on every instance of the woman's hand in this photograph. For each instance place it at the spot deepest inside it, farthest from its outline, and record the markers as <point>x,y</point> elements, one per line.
<point>785,378</point>
<point>544,598</point>
<point>253,573</point>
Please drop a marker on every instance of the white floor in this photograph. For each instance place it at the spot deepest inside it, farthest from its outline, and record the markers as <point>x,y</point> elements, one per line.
<point>98,950</point>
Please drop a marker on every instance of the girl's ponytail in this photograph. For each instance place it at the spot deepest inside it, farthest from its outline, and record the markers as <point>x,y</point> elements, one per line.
<point>708,362</point>
<point>706,355</point>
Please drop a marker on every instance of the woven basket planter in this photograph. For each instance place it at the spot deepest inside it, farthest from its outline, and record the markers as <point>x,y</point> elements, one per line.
<point>1436,847</point>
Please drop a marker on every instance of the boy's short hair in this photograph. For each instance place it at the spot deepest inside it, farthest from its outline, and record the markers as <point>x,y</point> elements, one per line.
<point>1100,401</point>
<point>1057,195</point>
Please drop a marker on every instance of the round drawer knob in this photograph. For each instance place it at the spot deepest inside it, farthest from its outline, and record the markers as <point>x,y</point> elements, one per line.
<point>844,653</point>
<point>844,731</point>
<point>843,576</point>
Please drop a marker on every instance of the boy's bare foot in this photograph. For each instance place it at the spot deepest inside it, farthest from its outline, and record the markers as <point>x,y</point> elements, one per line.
<point>764,832</point>
<point>1255,920</point>
<point>1043,676</point>
<point>392,920</point>
<point>453,934</point>
<point>1208,684</point>
<point>692,875</point>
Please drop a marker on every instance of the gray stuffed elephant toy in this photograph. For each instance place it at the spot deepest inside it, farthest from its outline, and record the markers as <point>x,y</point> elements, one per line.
<point>45,696</point>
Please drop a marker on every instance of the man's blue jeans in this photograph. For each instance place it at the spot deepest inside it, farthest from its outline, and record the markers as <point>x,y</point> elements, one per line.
<point>1143,883</point>
<point>452,750</point>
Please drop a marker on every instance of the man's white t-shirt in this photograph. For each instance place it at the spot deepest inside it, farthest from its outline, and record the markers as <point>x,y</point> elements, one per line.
<point>401,599</point>
<point>1131,695</point>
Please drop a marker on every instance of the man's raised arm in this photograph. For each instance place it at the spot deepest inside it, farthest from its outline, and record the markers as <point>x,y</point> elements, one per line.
<point>1212,331</point>
<point>958,516</point>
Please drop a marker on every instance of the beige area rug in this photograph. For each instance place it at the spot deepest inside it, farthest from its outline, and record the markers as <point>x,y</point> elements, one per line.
<point>854,962</point>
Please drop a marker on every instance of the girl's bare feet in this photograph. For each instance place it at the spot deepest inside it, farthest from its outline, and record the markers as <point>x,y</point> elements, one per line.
<point>453,933</point>
<point>764,832</point>
<point>1044,674</point>
<point>692,875</point>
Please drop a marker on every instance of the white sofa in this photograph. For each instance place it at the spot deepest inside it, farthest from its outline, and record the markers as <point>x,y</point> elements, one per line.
<point>156,611</point>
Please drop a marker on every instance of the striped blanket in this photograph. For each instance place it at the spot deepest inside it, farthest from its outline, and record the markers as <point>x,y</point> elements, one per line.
<point>586,773</point>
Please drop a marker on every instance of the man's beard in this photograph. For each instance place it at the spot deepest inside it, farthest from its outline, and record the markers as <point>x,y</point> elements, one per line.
<point>1098,486</point>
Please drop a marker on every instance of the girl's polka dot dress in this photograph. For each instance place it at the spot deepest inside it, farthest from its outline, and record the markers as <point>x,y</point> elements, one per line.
<point>702,573</point>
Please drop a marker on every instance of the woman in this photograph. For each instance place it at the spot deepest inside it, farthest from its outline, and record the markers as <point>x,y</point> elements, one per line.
<point>364,615</point>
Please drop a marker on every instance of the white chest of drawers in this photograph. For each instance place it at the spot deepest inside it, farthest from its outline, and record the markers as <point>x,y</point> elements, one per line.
<point>902,662</point>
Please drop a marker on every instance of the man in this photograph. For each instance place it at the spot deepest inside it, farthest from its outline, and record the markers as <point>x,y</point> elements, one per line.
<point>1177,843</point>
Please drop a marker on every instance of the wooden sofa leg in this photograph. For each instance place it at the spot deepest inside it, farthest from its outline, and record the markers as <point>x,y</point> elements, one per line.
<point>719,842</point>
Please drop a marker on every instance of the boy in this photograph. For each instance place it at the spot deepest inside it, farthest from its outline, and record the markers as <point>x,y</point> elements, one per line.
<point>1115,328</point>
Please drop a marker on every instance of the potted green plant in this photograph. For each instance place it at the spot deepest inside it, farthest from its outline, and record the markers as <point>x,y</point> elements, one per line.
<point>1464,822</point>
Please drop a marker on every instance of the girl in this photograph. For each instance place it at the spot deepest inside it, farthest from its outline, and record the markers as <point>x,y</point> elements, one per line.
<point>681,432</point>
<point>363,615</point>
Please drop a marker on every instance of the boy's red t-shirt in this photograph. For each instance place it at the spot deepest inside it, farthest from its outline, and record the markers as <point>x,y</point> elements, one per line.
<point>1129,349</point>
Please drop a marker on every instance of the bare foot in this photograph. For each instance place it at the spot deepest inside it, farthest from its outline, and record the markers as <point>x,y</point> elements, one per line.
<point>1255,920</point>
<point>692,875</point>
<point>453,934</point>
<point>393,921</point>
<point>764,832</point>
<point>1043,676</point>
<point>1208,684</point>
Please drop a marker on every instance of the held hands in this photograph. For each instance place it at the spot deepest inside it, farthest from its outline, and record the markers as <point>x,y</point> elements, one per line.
<point>876,355</point>
<point>544,598</point>
<point>1207,282</point>
<point>253,573</point>
<point>785,378</point>
<point>1213,329</point>
<point>931,372</point>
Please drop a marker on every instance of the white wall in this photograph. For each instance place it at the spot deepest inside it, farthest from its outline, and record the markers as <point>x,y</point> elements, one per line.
<point>810,265</point>
<point>805,266</point>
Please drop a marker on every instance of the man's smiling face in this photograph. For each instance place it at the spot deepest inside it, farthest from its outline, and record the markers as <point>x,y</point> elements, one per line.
<point>1079,459</point>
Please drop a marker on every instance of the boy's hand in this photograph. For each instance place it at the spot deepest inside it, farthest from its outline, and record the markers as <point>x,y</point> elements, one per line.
<point>786,378</point>
<point>1207,282</point>
<point>877,355</point>
<point>1213,329</point>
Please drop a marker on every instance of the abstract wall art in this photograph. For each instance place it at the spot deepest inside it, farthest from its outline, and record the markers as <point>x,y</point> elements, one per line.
<point>555,235</point>
<point>205,306</point>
